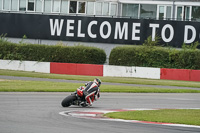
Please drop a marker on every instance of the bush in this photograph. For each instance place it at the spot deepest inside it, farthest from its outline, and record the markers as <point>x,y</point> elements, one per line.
<point>138,56</point>
<point>148,56</point>
<point>65,54</point>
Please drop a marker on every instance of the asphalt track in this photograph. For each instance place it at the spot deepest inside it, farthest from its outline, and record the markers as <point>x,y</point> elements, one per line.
<point>37,112</point>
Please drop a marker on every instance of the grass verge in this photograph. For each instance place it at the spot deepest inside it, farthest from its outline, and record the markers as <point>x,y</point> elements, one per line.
<point>104,79</point>
<point>45,86</point>
<point>178,116</point>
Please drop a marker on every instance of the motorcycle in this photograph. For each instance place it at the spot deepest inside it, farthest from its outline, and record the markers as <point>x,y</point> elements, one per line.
<point>76,98</point>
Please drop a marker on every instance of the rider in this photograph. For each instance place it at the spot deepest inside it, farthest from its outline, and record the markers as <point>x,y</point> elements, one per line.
<point>91,91</point>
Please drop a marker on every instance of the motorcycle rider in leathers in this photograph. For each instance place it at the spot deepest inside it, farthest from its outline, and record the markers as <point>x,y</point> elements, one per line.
<point>91,92</point>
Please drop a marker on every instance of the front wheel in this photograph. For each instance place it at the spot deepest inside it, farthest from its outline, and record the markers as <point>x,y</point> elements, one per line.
<point>68,101</point>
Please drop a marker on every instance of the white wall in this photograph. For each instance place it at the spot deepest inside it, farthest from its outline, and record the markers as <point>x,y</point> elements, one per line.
<point>32,66</point>
<point>137,72</point>
<point>108,70</point>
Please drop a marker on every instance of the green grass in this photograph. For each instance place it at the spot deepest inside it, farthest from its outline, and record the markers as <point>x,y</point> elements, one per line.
<point>179,116</point>
<point>104,79</point>
<point>37,86</point>
<point>134,89</point>
<point>45,86</point>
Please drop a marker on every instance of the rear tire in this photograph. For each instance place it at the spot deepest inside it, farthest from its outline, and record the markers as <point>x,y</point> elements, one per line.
<point>68,100</point>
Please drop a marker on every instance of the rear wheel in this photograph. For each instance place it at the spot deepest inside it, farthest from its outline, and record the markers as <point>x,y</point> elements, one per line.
<point>68,100</point>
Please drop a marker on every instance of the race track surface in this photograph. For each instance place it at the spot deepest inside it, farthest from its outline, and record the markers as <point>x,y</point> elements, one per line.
<point>37,112</point>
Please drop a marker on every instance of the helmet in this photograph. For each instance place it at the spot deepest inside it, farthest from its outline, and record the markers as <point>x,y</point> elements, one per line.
<point>97,81</point>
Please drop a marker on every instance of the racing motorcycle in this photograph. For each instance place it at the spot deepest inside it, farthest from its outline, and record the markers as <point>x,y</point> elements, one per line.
<point>76,98</point>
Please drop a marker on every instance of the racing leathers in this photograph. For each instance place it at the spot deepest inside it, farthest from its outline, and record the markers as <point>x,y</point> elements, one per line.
<point>91,92</point>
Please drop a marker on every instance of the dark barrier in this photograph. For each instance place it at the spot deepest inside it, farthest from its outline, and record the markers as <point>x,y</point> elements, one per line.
<point>98,29</point>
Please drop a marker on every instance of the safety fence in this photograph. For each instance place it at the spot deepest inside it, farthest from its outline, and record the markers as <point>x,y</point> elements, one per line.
<point>101,70</point>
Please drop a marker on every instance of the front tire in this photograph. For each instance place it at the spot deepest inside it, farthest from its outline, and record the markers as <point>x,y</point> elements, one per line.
<point>68,101</point>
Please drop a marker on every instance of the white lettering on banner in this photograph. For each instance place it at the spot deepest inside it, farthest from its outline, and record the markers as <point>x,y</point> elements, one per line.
<point>121,31</point>
<point>153,26</point>
<point>134,31</point>
<point>187,28</point>
<point>69,28</point>
<point>90,29</point>
<point>56,27</point>
<point>105,36</point>
<point>79,30</point>
<point>171,35</point>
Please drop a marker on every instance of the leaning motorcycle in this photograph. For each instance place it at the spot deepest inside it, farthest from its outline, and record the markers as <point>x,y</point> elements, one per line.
<point>76,98</point>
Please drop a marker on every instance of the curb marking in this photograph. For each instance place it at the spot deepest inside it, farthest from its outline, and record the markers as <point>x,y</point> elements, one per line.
<point>98,115</point>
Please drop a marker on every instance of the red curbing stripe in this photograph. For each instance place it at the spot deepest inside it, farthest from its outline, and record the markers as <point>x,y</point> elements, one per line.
<point>96,114</point>
<point>174,74</point>
<point>76,69</point>
<point>79,112</point>
<point>63,68</point>
<point>150,122</point>
<point>97,70</point>
<point>195,75</point>
<point>180,74</point>
<point>90,69</point>
<point>120,110</point>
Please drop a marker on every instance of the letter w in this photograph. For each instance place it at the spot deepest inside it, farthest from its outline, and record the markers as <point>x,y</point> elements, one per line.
<point>56,27</point>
